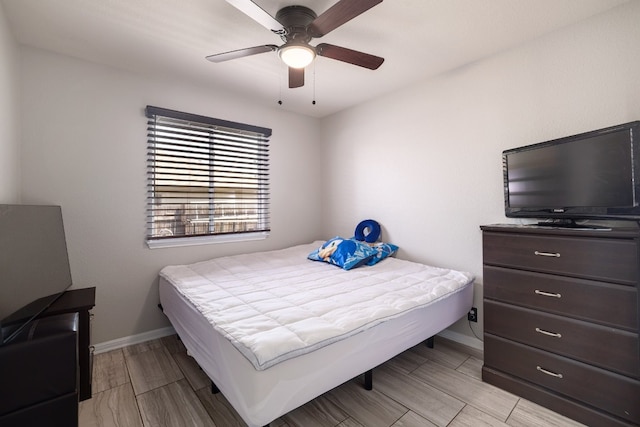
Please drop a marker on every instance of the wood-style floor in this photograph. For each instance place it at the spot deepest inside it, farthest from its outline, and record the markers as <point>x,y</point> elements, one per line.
<point>157,384</point>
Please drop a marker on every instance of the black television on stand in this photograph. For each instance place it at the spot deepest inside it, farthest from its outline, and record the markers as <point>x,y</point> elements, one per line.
<point>592,175</point>
<point>34,264</point>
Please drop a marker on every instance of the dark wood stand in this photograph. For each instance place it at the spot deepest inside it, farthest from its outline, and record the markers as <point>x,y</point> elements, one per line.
<point>39,374</point>
<point>561,319</point>
<point>79,301</point>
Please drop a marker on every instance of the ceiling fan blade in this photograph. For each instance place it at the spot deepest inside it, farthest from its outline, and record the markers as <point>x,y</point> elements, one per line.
<point>296,77</point>
<point>338,14</point>
<point>240,53</point>
<point>354,57</point>
<point>258,14</point>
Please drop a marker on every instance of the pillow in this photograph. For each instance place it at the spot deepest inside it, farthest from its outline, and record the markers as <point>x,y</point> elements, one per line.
<point>372,229</point>
<point>383,250</point>
<point>345,253</point>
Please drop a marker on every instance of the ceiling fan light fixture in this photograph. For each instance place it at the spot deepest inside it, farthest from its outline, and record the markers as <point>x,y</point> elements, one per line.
<point>297,55</point>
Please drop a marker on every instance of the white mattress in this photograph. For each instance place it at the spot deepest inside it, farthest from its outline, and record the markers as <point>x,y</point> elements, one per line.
<point>262,395</point>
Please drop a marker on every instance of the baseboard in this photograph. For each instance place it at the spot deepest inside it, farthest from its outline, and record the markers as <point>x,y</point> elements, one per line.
<point>133,339</point>
<point>462,339</point>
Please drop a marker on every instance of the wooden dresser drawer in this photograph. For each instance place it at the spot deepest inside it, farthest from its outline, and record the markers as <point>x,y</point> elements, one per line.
<point>586,257</point>
<point>605,347</point>
<point>604,303</point>
<point>611,392</point>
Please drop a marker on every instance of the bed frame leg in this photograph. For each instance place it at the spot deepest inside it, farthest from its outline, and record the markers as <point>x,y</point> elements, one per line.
<point>429,342</point>
<point>214,388</point>
<point>368,380</point>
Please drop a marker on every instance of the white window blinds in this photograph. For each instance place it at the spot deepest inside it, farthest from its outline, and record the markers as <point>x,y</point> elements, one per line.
<point>205,176</point>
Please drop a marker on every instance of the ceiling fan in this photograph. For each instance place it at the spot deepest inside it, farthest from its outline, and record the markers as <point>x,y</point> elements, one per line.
<point>296,26</point>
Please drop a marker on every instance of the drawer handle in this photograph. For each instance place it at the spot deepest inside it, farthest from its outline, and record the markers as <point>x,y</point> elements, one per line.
<point>549,254</point>
<point>547,294</point>
<point>551,334</point>
<point>544,371</point>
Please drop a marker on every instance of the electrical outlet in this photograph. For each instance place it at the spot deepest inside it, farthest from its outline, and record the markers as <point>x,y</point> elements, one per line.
<point>472,316</point>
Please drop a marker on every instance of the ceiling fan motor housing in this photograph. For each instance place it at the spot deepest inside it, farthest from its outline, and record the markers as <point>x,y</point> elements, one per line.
<point>296,19</point>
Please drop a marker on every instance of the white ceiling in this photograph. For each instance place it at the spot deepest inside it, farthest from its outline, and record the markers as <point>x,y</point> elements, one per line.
<point>170,38</point>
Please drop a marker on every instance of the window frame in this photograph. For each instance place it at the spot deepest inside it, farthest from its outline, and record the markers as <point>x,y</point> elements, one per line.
<point>228,161</point>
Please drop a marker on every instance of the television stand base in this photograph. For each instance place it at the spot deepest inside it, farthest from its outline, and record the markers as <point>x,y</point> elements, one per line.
<point>571,223</point>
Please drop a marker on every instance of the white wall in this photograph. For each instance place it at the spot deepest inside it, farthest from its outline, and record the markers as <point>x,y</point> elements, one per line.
<point>84,147</point>
<point>9,119</point>
<point>426,162</point>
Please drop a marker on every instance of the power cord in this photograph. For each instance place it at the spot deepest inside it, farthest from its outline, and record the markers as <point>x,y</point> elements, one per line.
<point>474,332</point>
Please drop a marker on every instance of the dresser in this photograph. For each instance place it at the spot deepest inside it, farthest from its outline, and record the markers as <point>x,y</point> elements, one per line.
<point>561,319</point>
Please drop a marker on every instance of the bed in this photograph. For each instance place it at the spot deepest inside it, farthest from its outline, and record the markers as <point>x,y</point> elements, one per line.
<point>273,330</point>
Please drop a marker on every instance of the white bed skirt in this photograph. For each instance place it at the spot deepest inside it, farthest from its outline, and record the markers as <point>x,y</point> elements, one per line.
<point>262,396</point>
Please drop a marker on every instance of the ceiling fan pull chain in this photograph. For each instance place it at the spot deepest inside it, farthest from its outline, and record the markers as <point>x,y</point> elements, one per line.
<point>314,84</point>
<point>280,89</point>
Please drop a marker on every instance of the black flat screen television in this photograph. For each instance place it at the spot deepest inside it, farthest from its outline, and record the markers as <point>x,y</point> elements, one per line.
<point>593,175</point>
<point>34,265</point>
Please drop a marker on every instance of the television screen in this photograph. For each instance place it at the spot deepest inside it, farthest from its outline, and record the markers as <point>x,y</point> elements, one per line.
<point>34,265</point>
<point>591,175</point>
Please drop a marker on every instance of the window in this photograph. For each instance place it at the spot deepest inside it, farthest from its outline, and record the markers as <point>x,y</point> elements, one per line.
<point>208,179</point>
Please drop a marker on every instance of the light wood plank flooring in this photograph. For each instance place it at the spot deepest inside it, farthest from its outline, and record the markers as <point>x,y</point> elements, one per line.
<point>157,384</point>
